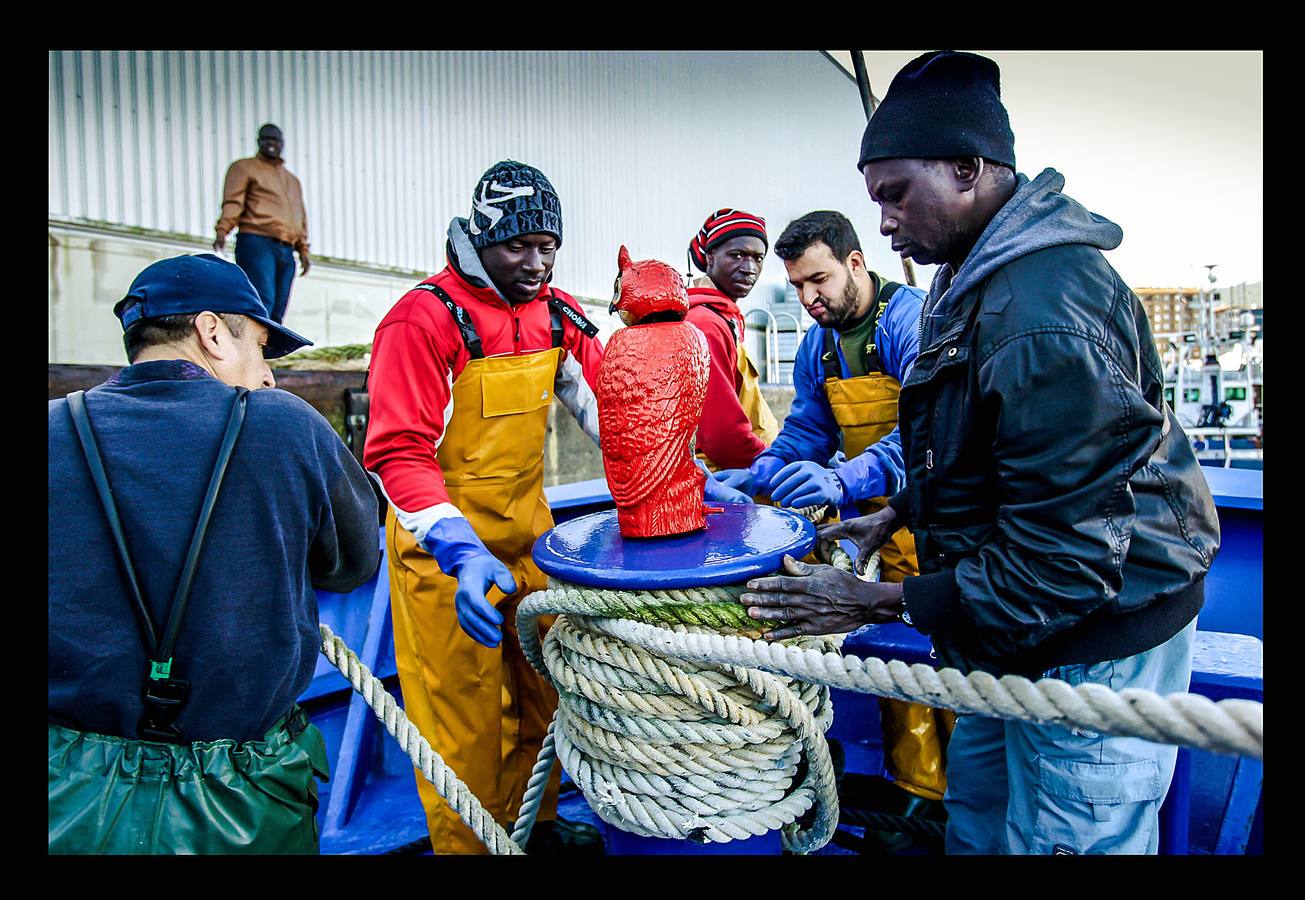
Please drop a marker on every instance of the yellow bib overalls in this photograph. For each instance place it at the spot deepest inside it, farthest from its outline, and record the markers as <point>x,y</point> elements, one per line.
<point>866,409</point>
<point>763,421</point>
<point>485,711</point>
<point>764,424</point>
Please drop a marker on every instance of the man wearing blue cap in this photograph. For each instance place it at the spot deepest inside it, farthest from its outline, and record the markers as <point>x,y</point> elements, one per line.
<point>191,515</point>
<point>1063,526</point>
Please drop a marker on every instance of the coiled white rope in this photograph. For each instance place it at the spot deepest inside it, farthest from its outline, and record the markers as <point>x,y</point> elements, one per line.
<point>696,752</point>
<point>688,733</point>
<point>1228,726</point>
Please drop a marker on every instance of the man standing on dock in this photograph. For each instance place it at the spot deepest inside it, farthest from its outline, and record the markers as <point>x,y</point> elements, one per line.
<point>1063,526</point>
<point>265,201</point>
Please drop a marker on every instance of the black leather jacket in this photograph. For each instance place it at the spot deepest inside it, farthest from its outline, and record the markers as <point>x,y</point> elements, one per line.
<point>1058,510</point>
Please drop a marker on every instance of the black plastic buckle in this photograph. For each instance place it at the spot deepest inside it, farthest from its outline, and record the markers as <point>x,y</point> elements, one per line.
<point>164,700</point>
<point>296,722</point>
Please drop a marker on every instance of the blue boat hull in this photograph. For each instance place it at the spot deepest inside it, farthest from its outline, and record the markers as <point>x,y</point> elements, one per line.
<point>1214,807</point>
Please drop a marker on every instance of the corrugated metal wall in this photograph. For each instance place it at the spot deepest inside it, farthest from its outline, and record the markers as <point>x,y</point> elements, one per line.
<point>388,145</point>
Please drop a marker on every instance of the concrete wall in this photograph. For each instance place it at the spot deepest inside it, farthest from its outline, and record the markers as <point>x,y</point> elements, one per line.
<point>91,269</point>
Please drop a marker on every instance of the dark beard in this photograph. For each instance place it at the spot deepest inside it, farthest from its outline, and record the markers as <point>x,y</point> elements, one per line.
<point>842,315</point>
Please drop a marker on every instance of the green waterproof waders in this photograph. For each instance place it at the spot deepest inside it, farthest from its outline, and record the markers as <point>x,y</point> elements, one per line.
<point>113,795</point>
<point>110,794</point>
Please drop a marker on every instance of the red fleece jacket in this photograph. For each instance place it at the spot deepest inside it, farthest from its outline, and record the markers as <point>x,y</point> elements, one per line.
<point>724,433</point>
<point>417,355</point>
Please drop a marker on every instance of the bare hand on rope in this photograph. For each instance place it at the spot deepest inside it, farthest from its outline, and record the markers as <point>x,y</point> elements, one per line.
<point>869,533</point>
<point>814,599</point>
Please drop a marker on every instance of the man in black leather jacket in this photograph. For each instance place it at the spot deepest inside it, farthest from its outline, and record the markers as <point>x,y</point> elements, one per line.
<point>1063,525</point>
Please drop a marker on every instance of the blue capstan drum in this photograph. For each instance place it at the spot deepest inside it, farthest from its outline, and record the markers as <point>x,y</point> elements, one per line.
<point>677,757</point>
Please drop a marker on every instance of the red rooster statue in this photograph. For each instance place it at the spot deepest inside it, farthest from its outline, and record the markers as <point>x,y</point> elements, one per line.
<point>651,387</point>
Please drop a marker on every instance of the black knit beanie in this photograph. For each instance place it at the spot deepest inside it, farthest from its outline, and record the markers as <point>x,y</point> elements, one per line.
<point>513,198</point>
<point>939,106</point>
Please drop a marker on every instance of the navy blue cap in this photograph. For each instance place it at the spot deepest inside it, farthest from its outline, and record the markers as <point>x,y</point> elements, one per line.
<point>192,284</point>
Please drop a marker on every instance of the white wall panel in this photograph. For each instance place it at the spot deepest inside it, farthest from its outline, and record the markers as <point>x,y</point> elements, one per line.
<point>388,145</point>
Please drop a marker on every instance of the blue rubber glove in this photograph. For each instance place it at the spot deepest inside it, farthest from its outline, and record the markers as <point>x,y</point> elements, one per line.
<point>739,480</point>
<point>719,492</point>
<point>462,555</point>
<point>806,483</point>
<point>752,479</point>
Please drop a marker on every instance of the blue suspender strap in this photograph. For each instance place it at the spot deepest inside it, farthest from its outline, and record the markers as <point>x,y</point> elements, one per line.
<point>164,696</point>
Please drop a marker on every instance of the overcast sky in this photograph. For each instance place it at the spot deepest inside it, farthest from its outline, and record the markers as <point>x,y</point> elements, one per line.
<point>1167,144</point>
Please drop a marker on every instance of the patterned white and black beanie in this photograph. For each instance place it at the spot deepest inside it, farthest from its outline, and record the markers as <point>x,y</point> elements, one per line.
<point>513,198</point>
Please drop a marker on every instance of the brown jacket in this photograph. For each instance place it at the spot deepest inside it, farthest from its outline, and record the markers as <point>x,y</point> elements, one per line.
<point>262,197</point>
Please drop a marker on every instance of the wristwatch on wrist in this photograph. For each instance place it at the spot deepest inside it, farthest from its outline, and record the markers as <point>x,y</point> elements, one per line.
<point>906,617</point>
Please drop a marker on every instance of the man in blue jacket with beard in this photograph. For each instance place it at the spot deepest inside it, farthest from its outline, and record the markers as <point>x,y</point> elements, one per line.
<point>1063,526</point>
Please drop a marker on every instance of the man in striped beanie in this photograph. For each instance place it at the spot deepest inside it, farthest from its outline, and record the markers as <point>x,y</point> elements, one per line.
<point>736,423</point>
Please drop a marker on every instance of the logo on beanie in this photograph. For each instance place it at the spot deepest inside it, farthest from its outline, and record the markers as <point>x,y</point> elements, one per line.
<point>488,206</point>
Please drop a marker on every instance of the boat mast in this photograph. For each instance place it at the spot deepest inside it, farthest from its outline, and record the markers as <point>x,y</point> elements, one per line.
<point>870,103</point>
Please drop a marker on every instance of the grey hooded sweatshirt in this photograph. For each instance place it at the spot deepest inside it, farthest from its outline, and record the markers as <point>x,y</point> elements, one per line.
<point>1036,217</point>
<point>1058,511</point>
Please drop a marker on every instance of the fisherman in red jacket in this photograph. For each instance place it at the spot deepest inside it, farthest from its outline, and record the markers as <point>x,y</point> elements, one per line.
<point>736,423</point>
<point>464,369</point>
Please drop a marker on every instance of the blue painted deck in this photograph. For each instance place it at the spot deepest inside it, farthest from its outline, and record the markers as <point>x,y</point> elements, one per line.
<point>370,805</point>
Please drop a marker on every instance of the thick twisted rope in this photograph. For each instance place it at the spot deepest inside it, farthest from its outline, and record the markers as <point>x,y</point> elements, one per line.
<point>423,756</point>
<point>1229,726</point>
<point>678,732</point>
<point>689,751</point>
<point>699,752</point>
<point>691,606</point>
<point>534,794</point>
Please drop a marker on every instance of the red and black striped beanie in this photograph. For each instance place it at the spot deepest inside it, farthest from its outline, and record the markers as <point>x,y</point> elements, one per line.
<point>720,226</point>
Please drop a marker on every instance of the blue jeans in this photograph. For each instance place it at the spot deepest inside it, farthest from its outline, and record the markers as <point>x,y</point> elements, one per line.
<point>270,266</point>
<point>1020,787</point>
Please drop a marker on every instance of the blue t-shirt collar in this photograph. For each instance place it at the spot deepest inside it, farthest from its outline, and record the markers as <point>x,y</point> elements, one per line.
<point>159,370</point>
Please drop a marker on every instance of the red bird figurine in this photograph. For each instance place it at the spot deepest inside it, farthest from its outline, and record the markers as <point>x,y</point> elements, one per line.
<point>651,387</point>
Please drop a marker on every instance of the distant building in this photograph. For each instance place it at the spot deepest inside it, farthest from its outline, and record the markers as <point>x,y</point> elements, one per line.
<point>1174,313</point>
<point>1239,311</point>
